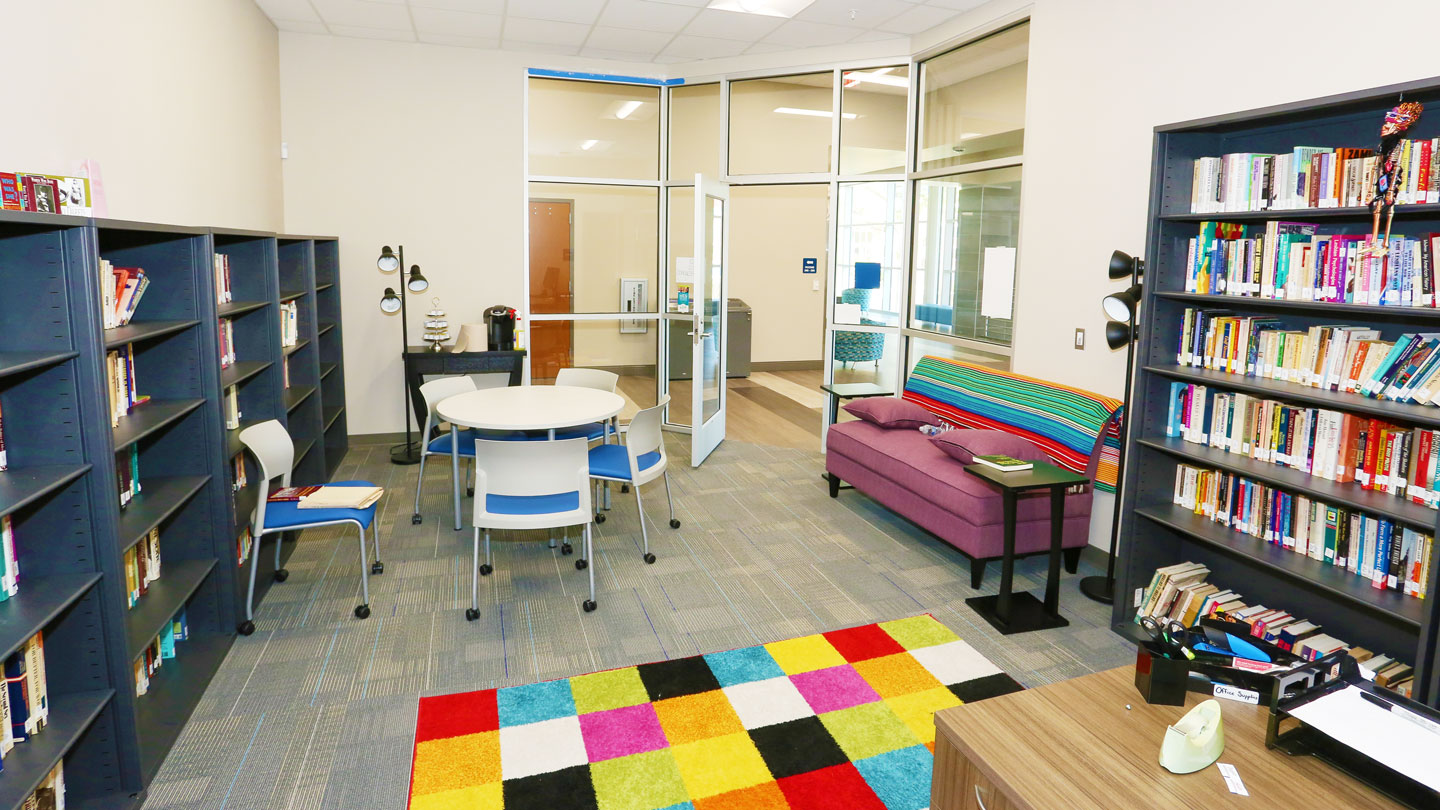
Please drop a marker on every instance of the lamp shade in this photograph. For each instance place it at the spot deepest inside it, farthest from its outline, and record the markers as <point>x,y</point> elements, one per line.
<point>390,302</point>
<point>1122,306</point>
<point>1117,334</point>
<point>388,261</point>
<point>417,282</point>
<point>1123,264</point>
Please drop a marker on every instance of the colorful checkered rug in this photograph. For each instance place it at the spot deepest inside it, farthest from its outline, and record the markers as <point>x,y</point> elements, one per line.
<point>842,719</point>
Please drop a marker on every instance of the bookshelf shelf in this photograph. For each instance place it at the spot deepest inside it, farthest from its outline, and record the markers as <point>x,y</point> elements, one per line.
<point>291,295</point>
<point>1156,533</point>
<point>319,287</point>
<point>1335,582</point>
<point>20,362</point>
<point>297,394</point>
<point>299,344</point>
<point>160,499</point>
<point>177,583</point>
<point>150,417</point>
<point>21,486</point>
<point>174,690</point>
<point>302,450</point>
<point>331,414</point>
<point>242,371</point>
<point>326,327</point>
<point>1421,415</point>
<point>235,308</point>
<point>28,762</point>
<point>37,604</point>
<point>139,332</point>
<point>326,368</point>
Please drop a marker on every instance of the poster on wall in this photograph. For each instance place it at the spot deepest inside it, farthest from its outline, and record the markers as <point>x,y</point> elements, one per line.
<point>997,287</point>
<point>634,293</point>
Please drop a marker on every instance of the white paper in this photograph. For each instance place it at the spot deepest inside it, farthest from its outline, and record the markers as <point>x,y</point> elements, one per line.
<point>1346,717</point>
<point>1232,779</point>
<point>847,313</point>
<point>997,286</point>
<point>684,270</point>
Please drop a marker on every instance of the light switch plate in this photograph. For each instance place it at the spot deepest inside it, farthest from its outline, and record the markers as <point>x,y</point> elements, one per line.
<point>1080,338</point>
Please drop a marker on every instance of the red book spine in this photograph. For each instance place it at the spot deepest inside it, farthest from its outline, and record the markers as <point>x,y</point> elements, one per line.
<point>1418,461</point>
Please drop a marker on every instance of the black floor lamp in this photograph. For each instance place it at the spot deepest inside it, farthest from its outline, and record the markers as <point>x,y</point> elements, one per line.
<point>390,303</point>
<point>1120,331</point>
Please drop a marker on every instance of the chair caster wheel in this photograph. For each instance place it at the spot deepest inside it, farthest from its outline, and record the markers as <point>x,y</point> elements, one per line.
<point>415,520</point>
<point>246,627</point>
<point>566,548</point>
<point>362,611</point>
<point>470,492</point>
<point>485,570</point>
<point>471,614</point>
<point>674,523</point>
<point>649,558</point>
<point>599,518</point>
<point>589,605</point>
<point>281,575</point>
<point>377,568</point>
<point>624,488</point>
<point>582,564</point>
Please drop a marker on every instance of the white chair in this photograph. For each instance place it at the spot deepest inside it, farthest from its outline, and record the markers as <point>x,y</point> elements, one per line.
<point>275,452</point>
<point>432,393</point>
<point>586,378</point>
<point>529,485</point>
<point>640,460</point>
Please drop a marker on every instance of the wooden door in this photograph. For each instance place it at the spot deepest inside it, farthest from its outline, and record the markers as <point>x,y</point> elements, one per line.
<point>551,284</point>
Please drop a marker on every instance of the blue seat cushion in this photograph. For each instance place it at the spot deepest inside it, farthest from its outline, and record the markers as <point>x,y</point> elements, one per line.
<point>287,514</point>
<point>592,431</point>
<point>532,504</point>
<point>613,461</point>
<point>441,443</point>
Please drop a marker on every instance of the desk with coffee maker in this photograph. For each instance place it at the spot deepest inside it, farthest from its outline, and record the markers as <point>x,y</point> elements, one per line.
<point>494,353</point>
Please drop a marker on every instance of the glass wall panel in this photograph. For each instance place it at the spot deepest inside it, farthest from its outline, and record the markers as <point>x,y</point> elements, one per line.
<point>871,231</point>
<point>873,141</point>
<point>627,348</point>
<point>781,124</point>
<point>695,131</point>
<point>922,348</point>
<point>593,129</point>
<point>967,228</point>
<point>972,102</point>
<point>865,357</point>
<point>775,232</point>
<point>681,242</point>
<point>592,248</point>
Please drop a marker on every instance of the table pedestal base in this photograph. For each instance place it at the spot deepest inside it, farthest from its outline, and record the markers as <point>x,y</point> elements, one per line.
<point>1026,614</point>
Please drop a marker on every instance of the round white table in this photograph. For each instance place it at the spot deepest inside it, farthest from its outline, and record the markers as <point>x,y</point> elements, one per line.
<point>523,407</point>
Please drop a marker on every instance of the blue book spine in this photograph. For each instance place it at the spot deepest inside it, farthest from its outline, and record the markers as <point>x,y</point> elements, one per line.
<point>1177,399</point>
<point>1287,534</point>
<point>19,701</point>
<point>1382,552</point>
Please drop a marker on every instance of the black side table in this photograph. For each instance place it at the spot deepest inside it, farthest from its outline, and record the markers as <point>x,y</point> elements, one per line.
<point>839,391</point>
<point>1021,612</point>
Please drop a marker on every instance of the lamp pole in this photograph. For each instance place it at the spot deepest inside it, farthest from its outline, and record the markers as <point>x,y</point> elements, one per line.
<point>388,262</point>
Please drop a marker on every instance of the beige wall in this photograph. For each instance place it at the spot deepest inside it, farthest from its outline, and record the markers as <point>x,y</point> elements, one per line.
<point>772,229</point>
<point>177,100</point>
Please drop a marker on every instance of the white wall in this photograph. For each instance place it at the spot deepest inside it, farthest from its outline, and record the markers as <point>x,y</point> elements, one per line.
<point>177,100</point>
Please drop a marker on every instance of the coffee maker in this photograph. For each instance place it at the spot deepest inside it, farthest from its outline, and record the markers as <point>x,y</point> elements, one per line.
<point>500,328</point>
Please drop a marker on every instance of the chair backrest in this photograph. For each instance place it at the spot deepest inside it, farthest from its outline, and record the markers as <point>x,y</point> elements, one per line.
<point>274,451</point>
<point>588,378</point>
<point>643,435</point>
<point>436,391</point>
<point>532,468</point>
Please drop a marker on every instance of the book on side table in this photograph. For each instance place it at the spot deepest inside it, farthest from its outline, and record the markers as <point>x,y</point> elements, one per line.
<point>1004,463</point>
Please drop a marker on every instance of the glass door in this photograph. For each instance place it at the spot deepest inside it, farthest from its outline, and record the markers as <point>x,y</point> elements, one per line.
<point>708,330</point>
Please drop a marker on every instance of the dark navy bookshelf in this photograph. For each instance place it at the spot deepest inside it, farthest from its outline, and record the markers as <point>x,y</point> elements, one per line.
<point>61,488</point>
<point>1155,532</point>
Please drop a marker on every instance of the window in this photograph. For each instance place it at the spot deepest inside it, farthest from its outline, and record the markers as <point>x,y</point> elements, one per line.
<point>582,265</point>
<point>972,101</point>
<point>871,229</point>
<point>781,125</point>
<point>593,129</point>
<point>873,105</point>
<point>694,132</point>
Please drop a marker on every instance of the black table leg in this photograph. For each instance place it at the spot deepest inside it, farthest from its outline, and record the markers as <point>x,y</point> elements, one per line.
<point>1007,565</point>
<point>1010,612</point>
<point>1057,528</point>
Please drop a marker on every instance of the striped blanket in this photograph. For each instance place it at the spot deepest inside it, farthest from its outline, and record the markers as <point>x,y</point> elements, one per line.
<point>1067,423</point>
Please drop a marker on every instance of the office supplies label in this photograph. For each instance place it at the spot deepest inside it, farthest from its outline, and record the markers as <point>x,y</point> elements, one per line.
<point>1232,779</point>
<point>1237,694</point>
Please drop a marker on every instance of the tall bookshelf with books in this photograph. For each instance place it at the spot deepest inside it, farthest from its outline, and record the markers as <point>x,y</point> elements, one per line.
<point>332,361</point>
<point>1286,404</point>
<point>301,349</point>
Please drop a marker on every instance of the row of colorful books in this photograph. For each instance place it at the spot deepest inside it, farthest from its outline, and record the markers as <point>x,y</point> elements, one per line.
<point>142,566</point>
<point>1293,261</point>
<point>121,289</point>
<point>24,702</point>
<point>9,560</point>
<point>243,543</point>
<point>1388,555</point>
<point>1328,444</point>
<point>1181,592</point>
<point>223,293</point>
<point>226,329</point>
<point>127,473</point>
<point>289,323</point>
<point>45,193</point>
<point>1349,359</point>
<point>125,395</point>
<point>1310,177</point>
<point>160,650</point>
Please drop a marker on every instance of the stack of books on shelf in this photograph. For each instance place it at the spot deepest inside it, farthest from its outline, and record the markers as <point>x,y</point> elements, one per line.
<point>25,703</point>
<point>285,371</point>
<point>1293,261</point>
<point>1310,177</point>
<point>160,650</point>
<point>1181,592</point>
<point>124,394</point>
<point>50,795</point>
<point>227,342</point>
<point>142,566</point>
<point>1387,555</point>
<point>232,407</point>
<point>4,458</point>
<point>239,480</point>
<point>120,291</point>
<point>1333,445</point>
<point>243,542</point>
<point>10,575</point>
<point>223,294</point>
<point>127,471</point>
<point>45,193</point>
<point>289,323</point>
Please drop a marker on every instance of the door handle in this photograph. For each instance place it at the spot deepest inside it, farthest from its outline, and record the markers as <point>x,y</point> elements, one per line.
<point>701,334</point>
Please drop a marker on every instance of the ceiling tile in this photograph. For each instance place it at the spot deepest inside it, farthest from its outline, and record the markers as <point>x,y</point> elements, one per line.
<point>288,10</point>
<point>488,43</point>
<point>364,32</point>
<point>801,34</point>
<point>732,25</point>
<point>958,5</point>
<point>766,47</point>
<point>472,6</point>
<point>623,39</point>
<point>878,36</point>
<point>688,46</point>
<point>646,15</point>
<point>917,19</point>
<point>544,32</point>
<point>868,14</point>
<point>302,27</point>
<point>364,14</point>
<point>575,11</point>
<point>690,3</point>
<point>459,23</point>
<point>539,47</point>
<point>623,56</point>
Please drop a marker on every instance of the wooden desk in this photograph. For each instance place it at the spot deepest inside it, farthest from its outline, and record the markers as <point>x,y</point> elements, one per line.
<point>420,361</point>
<point>1073,746</point>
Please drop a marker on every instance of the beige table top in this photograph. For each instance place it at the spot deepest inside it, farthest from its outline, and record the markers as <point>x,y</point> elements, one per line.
<point>530,407</point>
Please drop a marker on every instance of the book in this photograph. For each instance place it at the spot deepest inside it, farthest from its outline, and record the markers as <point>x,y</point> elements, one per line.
<point>293,493</point>
<point>18,686</point>
<point>343,497</point>
<point>4,458</point>
<point>10,578</point>
<point>999,462</point>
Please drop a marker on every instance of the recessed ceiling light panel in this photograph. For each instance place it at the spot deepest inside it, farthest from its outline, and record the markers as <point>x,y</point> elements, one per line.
<point>766,8</point>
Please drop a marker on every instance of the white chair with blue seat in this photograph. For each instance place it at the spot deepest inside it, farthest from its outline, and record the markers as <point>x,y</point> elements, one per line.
<point>528,485</point>
<point>598,379</point>
<point>432,393</point>
<point>640,460</point>
<point>274,451</point>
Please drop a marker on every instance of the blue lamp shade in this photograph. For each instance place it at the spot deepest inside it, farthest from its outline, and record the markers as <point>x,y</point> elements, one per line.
<point>867,275</point>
